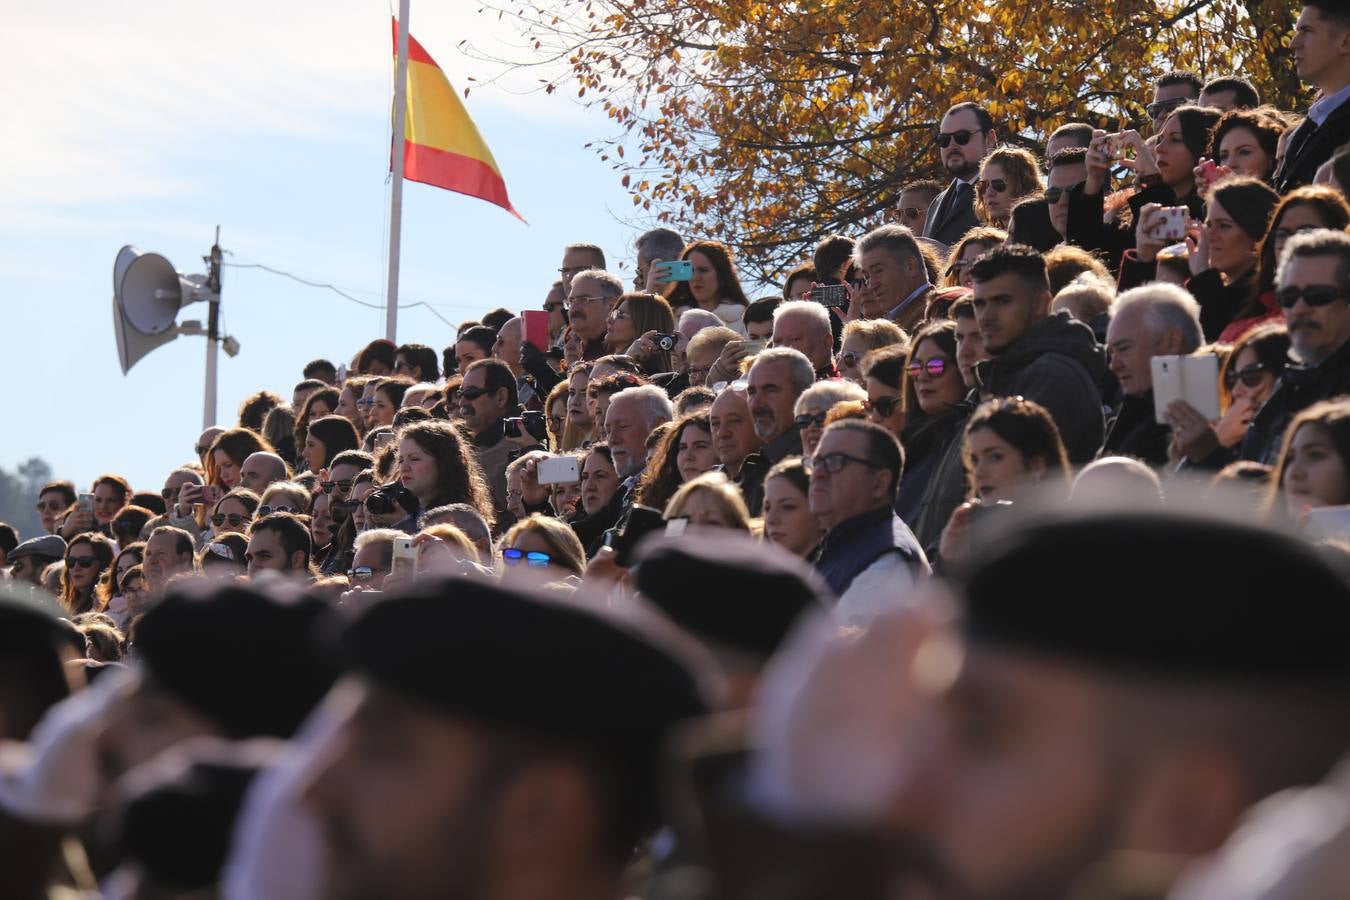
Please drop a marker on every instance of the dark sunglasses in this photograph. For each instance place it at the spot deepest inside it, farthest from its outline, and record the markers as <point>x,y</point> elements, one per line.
<point>806,420</point>
<point>342,484</point>
<point>58,506</point>
<point>1053,194</point>
<point>234,519</point>
<point>998,184</point>
<point>1313,295</point>
<point>268,510</point>
<point>513,557</point>
<point>961,137</point>
<point>934,367</point>
<point>912,213</point>
<point>884,406</point>
<point>471,394</point>
<point>834,462</point>
<point>84,562</point>
<point>1252,376</point>
<point>1159,107</point>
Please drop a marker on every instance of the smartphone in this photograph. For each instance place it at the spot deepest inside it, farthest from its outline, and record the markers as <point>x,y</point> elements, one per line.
<point>668,270</point>
<point>833,296</point>
<point>1115,146</point>
<point>1169,224</point>
<point>535,328</point>
<point>85,503</point>
<point>404,564</point>
<point>677,527</point>
<point>559,470</point>
<point>384,437</point>
<point>1209,171</point>
<point>753,347</point>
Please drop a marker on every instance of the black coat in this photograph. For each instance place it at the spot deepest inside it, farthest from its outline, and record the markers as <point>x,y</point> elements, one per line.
<point>1311,146</point>
<point>1298,388</point>
<point>953,224</point>
<point>1135,432</point>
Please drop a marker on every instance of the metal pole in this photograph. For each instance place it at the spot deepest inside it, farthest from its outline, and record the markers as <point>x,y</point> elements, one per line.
<point>396,196</point>
<point>212,334</point>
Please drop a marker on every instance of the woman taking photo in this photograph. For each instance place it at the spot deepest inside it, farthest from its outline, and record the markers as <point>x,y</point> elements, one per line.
<point>1314,463</point>
<point>88,557</point>
<point>601,499</point>
<point>438,467</point>
<point>633,324</point>
<point>325,439</point>
<point>684,453</point>
<point>788,520</point>
<point>714,285</point>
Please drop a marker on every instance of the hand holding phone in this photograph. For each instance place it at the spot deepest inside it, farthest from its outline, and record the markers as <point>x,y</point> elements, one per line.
<point>404,562</point>
<point>670,270</point>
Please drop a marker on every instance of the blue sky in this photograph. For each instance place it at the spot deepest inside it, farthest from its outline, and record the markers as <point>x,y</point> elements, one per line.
<point>149,124</point>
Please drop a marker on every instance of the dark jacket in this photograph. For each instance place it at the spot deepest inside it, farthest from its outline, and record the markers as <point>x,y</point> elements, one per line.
<point>1299,387</point>
<point>1135,432</point>
<point>854,544</point>
<point>926,440</point>
<point>1311,146</point>
<point>757,465</point>
<point>1219,302</point>
<point>591,529</point>
<point>949,225</point>
<point>946,488</point>
<point>1058,364</point>
<point>1088,229</point>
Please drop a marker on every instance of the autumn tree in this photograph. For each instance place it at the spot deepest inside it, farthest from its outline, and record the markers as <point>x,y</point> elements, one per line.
<point>768,125</point>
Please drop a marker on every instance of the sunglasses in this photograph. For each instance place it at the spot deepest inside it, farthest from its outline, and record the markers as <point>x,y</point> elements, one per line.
<point>1159,107</point>
<point>471,394</point>
<point>514,557</point>
<point>1313,295</point>
<point>84,562</point>
<point>806,420</point>
<point>342,484</point>
<point>361,573</point>
<point>961,137</point>
<point>234,519</point>
<point>51,507</point>
<point>1252,376</point>
<point>1053,194</point>
<point>912,213</point>
<point>268,510</point>
<point>350,504</point>
<point>201,449</point>
<point>997,184</point>
<point>884,406</point>
<point>934,367</point>
<point>834,462</point>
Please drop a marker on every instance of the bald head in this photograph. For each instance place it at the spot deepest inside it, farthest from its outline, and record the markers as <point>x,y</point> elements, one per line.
<point>260,470</point>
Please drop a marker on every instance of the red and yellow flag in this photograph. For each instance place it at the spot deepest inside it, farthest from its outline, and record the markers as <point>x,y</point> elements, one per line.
<point>442,146</point>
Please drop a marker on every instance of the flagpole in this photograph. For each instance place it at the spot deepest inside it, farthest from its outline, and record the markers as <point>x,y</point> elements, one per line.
<point>396,196</point>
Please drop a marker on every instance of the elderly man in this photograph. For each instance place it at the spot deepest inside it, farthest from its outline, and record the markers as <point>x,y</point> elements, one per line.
<point>168,552</point>
<point>588,302</point>
<point>260,470</point>
<point>774,382</point>
<point>897,287</point>
<point>633,413</point>
<point>804,325</point>
<point>30,558</point>
<point>1155,320</point>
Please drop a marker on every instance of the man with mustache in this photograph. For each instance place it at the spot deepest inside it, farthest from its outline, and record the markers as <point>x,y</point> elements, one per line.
<point>1313,287</point>
<point>965,135</point>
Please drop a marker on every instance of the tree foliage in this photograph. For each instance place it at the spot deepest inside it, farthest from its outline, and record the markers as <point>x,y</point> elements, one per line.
<point>18,494</point>
<point>770,124</point>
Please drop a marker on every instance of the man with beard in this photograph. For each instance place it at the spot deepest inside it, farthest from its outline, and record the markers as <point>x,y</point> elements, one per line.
<point>775,380</point>
<point>964,137</point>
<point>1075,734</point>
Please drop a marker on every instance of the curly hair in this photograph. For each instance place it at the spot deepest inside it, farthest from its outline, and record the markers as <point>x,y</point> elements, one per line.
<point>1020,169</point>
<point>662,478</point>
<point>460,478</point>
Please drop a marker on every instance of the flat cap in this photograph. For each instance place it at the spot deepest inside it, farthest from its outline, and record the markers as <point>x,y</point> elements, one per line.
<point>50,545</point>
<point>1164,594</point>
<point>728,588</point>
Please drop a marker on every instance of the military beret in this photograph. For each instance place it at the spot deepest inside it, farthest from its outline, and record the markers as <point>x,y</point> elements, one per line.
<point>248,657</point>
<point>729,589</point>
<point>1163,594</point>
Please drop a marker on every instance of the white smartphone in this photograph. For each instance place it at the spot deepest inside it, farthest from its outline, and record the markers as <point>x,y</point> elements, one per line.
<point>559,470</point>
<point>404,564</point>
<point>1194,379</point>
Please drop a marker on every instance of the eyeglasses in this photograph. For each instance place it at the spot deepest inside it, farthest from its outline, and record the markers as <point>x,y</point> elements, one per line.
<point>361,573</point>
<point>806,420</point>
<point>1252,376</point>
<point>513,557</point>
<point>268,510</point>
<point>583,298</point>
<point>934,367</point>
<point>834,463</point>
<point>884,406</point>
<point>84,562</point>
<point>365,403</point>
<point>1053,194</point>
<point>234,519</point>
<point>961,137</point>
<point>912,213</point>
<point>618,316</point>
<point>1158,107</point>
<point>1313,295</point>
<point>342,484</point>
<point>998,185</point>
<point>471,394</point>
<point>848,359</point>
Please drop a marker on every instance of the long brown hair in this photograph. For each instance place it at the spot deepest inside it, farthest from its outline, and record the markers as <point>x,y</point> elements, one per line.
<point>459,477</point>
<point>327,396</point>
<point>728,282</point>
<point>71,600</point>
<point>662,478</point>
<point>239,444</point>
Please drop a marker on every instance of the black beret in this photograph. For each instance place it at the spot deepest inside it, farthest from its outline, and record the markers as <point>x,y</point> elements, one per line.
<point>1164,594</point>
<point>247,657</point>
<point>728,588</point>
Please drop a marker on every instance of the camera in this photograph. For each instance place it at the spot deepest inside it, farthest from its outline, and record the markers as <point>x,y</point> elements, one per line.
<point>389,498</point>
<point>665,342</point>
<point>528,422</point>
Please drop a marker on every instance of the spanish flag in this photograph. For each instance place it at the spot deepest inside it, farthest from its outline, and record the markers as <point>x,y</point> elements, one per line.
<point>442,146</point>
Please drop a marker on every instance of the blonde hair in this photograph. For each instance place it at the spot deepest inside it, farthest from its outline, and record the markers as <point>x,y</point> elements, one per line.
<point>717,336</point>
<point>876,333</point>
<point>721,491</point>
<point>562,541</point>
<point>455,537</point>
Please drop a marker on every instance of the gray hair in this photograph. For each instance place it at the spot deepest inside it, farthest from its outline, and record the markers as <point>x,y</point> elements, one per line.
<point>659,243</point>
<point>707,317</point>
<point>1168,307</point>
<point>593,249</point>
<point>829,392</point>
<point>1318,242</point>
<point>809,309</point>
<point>800,370</point>
<point>716,336</point>
<point>897,240</point>
<point>611,285</point>
<point>652,402</point>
